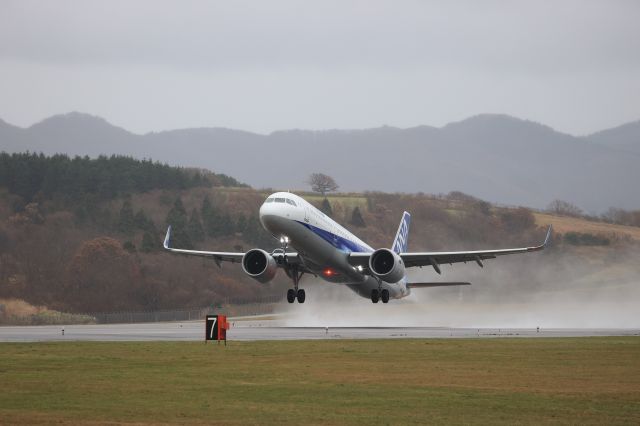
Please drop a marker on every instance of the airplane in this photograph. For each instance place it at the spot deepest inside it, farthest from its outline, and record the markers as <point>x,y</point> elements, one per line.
<point>326,249</point>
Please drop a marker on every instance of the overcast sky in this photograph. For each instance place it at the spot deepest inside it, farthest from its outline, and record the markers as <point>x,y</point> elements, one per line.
<point>267,65</point>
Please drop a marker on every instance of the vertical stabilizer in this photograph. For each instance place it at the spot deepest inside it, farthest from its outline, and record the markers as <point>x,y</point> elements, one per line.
<point>400,243</point>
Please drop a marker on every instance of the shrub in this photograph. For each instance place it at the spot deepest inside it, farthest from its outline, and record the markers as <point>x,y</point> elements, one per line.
<point>585,239</point>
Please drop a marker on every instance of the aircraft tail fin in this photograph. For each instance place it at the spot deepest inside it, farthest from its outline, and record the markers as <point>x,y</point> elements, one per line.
<point>401,242</point>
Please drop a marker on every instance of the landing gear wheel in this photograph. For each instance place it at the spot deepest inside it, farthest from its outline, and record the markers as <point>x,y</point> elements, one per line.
<point>384,295</point>
<point>375,296</point>
<point>294,293</point>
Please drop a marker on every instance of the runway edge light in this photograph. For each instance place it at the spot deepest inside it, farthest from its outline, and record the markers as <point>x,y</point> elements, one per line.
<point>215,328</point>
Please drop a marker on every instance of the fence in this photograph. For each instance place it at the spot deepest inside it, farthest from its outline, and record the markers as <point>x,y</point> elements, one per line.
<point>149,316</point>
<point>230,307</point>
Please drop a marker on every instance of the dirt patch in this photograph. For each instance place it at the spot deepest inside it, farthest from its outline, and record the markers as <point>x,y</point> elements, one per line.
<point>18,308</point>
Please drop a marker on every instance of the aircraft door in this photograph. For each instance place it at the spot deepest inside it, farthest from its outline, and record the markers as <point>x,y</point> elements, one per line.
<point>306,214</point>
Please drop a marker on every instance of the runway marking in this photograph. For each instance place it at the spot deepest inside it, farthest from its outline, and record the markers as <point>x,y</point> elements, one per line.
<point>193,331</point>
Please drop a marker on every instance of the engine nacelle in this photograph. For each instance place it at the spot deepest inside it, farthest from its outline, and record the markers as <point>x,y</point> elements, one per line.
<point>387,265</point>
<point>259,265</point>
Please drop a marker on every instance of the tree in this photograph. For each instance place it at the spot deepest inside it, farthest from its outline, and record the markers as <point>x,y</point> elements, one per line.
<point>322,183</point>
<point>129,246</point>
<point>622,217</point>
<point>101,276</point>
<point>326,207</point>
<point>241,223</point>
<point>142,221</point>
<point>564,208</point>
<point>126,219</point>
<point>225,226</point>
<point>517,220</point>
<point>482,207</point>
<point>177,218</point>
<point>209,217</point>
<point>150,242</point>
<point>194,228</point>
<point>30,214</point>
<point>356,218</point>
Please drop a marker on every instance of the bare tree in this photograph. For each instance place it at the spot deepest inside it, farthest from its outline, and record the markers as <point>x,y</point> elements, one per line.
<point>564,208</point>
<point>322,183</point>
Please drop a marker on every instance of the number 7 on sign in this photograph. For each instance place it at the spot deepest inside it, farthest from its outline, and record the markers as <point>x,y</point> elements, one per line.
<point>213,327</point>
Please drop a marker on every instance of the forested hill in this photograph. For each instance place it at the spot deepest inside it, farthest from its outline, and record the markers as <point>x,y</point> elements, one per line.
<point>60,176</point>
<point>81,235</point>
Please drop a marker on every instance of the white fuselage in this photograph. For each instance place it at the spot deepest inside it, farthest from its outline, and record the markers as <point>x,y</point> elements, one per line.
<point>322,244</point>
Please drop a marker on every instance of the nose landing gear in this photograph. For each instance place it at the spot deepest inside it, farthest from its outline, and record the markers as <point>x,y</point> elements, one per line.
<point>292,271</point>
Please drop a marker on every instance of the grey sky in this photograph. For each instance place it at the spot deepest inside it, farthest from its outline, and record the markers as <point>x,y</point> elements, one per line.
<point>267,65</point>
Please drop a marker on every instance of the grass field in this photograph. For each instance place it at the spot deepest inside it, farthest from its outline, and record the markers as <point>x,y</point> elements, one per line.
<point>492,381</point>
<point>565,224</point>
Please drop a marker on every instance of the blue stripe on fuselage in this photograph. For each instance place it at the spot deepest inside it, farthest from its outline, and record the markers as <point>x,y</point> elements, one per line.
<point>335,240</point>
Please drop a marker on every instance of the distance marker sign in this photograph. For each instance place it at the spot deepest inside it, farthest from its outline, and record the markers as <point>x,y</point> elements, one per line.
<point>216,327</point>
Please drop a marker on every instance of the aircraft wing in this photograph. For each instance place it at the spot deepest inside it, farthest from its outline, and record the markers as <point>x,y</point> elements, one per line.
<point>436,284</point>
<point>223,256</point>
<point>435,259</point>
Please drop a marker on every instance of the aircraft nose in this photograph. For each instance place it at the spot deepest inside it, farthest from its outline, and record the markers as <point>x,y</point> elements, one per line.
<point>268,218</point>
<point>266,211</point>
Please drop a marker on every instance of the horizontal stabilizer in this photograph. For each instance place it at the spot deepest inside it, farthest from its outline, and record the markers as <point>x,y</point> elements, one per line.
<point>437,284</point>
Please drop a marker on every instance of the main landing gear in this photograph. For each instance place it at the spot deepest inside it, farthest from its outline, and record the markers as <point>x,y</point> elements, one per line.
<point>292,295</point>
<point>295,292</point>
<point>377,295</point>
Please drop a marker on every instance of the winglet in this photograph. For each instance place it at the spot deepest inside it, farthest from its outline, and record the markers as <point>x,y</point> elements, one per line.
<point>167,239</point>
<point>544,244</point>
<point>548,237</point>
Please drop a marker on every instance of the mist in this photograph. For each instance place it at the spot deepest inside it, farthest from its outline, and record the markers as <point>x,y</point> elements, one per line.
<point>547,290</point>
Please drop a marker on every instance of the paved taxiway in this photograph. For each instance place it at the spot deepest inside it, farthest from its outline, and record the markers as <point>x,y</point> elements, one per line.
<point>257,330</point>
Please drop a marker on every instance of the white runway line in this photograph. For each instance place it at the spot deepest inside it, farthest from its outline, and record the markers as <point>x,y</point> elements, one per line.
<point>252,330</point>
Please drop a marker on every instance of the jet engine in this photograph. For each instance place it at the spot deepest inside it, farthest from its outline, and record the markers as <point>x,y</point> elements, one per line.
<point>259,265</point>
<point>387,265</point>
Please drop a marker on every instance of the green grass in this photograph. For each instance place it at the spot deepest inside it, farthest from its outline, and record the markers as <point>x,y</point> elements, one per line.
<point>492,381</point>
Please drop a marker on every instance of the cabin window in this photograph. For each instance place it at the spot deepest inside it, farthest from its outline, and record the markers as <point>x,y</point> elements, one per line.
<point>280,200</point>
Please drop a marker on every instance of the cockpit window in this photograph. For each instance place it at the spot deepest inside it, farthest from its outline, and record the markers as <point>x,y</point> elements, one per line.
<point>269,200</point>
<point>280,200</point>
<point>291,202</point>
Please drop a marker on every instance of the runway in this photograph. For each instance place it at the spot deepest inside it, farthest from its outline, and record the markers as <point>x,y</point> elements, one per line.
<point>264,330</point>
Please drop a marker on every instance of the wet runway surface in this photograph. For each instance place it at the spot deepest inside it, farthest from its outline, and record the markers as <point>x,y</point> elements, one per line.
<point>256,330</point>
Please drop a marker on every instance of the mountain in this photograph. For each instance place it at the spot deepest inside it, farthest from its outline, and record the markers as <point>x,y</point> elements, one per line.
<point>11,137</point>
<point>625,137</point>
<point>495,157</point>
